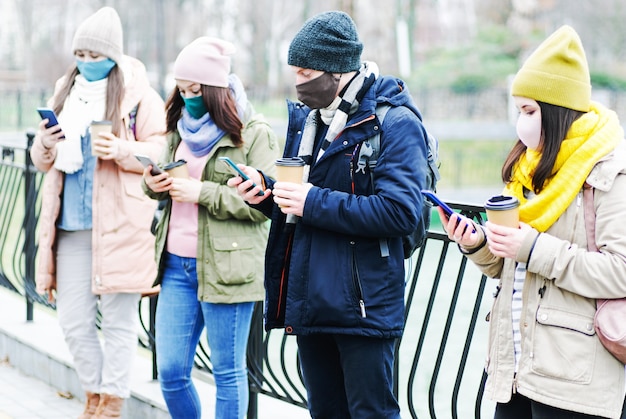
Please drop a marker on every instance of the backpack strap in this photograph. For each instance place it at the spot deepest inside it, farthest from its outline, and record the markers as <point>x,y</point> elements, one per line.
<point>590,217</point>
<point>132,120</point>
<point>368,157</point>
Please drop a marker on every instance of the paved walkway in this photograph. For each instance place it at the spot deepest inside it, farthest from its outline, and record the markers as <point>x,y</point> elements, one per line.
<point>24,397</point>
<point>37,380</point>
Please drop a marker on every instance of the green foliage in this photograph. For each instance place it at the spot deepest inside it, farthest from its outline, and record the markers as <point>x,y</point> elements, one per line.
<point>608,81</point>
<point>472,163</point>
<point>485,61</point>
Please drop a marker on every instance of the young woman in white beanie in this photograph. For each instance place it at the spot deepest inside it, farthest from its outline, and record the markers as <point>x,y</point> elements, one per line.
<point>210,245</point>
<point>95,246</point>
<point>544,358</point>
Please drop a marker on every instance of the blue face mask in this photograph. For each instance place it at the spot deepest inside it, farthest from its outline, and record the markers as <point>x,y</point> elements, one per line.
<point>95,70</point>
<point>195,106</point>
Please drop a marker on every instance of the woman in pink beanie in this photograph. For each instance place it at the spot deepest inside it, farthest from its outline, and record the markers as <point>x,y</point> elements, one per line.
<point>210,244</point>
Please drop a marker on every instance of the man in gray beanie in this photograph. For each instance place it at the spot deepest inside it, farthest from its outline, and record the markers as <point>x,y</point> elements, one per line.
<point>334,272</point>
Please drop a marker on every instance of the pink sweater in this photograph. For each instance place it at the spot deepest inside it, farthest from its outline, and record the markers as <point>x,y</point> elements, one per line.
<point>182,233</point>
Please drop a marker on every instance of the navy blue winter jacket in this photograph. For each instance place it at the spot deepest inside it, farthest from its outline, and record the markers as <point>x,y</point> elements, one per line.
<point>327,275</point>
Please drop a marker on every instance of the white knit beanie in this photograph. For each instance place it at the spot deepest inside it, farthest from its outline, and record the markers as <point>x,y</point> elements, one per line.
<point>101,33</point>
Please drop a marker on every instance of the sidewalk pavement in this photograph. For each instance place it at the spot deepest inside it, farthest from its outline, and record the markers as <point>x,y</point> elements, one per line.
<point>37,380</point>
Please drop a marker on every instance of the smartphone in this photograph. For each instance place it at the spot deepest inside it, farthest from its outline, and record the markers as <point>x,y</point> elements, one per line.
<point>237,171</point>
<point>147,161</point>
<point>47,113</point>
<point>445,207</point>
<point>436,201</point>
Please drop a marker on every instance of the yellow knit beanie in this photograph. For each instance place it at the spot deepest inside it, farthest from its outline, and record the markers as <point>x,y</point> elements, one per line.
<point>556,72</point>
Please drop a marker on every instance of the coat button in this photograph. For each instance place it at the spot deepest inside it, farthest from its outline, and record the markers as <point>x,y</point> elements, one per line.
<point>288,329</point>
<point>235,245</point>
<point>345,143</point>
<point>544,317</point>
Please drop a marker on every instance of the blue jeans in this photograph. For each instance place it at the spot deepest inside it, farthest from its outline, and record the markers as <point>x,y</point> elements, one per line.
<point>348,376</point>
<point>180,319</point>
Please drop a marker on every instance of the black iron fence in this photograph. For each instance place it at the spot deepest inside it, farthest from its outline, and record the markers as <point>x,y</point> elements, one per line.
<point>440,359</point>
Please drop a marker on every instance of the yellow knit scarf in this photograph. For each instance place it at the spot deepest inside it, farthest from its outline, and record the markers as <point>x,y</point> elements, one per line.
<point>591,137</point>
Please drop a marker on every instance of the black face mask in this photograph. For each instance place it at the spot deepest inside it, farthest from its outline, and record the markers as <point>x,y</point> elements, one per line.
<point>319,92</point>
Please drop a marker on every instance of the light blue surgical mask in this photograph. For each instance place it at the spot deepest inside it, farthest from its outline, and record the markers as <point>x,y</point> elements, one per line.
<point>195,106</point>
<point>95,70</point>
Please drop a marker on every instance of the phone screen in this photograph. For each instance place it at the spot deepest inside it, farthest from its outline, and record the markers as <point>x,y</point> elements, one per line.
<point>237,172</point>
<point>436,201</point>
<point>147,161</point>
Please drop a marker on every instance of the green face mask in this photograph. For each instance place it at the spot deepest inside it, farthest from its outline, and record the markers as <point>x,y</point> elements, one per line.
<point>195,106</point>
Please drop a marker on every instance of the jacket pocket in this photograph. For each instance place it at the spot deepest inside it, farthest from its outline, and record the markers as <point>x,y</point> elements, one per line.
<point>564,346</point>
<point>234,259</point>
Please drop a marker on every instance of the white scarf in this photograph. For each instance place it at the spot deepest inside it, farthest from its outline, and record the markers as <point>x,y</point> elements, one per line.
<point>85,103</point>
<point>336,116</point>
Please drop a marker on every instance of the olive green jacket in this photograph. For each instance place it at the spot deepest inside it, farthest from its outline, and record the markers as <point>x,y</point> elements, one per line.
<point>231,235</point>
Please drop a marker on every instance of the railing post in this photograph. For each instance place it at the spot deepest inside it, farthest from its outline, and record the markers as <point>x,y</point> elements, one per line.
<point>29,225</point>
<point>153,304</point>
<point>255,358</point>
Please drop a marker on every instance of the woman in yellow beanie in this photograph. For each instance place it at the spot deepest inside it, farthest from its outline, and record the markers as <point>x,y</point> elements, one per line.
<point>210,245</point>
<point>544,358</point>
<point>95,246</point>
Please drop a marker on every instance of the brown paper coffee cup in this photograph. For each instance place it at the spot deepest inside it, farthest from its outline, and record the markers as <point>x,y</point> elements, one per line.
<point>177,169</point>
<point>289,169</point>
<point>503,210</point>
<point>95,128</point>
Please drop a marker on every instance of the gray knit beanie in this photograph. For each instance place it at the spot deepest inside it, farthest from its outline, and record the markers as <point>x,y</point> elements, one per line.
<point>101,33</point>
<point>327,42</point>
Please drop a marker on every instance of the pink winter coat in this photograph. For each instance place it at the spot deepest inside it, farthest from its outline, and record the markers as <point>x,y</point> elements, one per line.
<point>123,247</point>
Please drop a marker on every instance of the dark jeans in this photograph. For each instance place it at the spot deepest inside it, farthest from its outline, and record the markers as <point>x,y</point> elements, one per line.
<point>521,407</point>
<point>348,376</point>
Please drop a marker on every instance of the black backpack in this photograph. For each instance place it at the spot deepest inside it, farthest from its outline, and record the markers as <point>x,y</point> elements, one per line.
<point>368,156</point>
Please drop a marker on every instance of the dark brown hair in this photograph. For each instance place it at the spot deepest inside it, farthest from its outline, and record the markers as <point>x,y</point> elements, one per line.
<point>221,105</point>
<point>555,124</point>
<point>115,94</point>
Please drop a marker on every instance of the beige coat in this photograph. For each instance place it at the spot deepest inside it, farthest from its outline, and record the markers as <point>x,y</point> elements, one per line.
<point>563,363</point>
<point>123,247</point>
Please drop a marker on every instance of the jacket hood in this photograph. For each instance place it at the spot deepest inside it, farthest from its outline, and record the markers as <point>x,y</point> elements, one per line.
<point>392,91</point>
<point>135,81</point>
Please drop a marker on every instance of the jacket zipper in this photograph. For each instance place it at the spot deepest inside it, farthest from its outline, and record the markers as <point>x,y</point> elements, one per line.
<point>357,285</point>
<point>283,274</point>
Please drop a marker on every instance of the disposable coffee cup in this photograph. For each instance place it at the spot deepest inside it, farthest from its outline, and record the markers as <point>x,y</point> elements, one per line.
<point>289,169</point>
<point>95,129</point>
<point>177,169</point>
<point>503,210</point>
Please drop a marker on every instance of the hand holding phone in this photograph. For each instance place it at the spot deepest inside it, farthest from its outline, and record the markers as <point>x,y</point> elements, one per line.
<point>238,172</point>
<point>147,161</point>
<point>445,207</point>
<point>436,201</point>
<point>47,113</point>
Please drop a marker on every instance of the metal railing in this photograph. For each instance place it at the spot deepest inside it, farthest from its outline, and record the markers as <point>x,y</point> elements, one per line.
<point>439,368</point>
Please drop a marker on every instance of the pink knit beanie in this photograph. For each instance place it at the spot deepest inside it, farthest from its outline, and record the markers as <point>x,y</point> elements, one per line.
<point>206,61</point>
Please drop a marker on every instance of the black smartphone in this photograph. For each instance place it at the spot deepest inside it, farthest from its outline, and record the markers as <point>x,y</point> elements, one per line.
<point>147,161</point>
<point>436,201</point>
<point>238,172</point>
